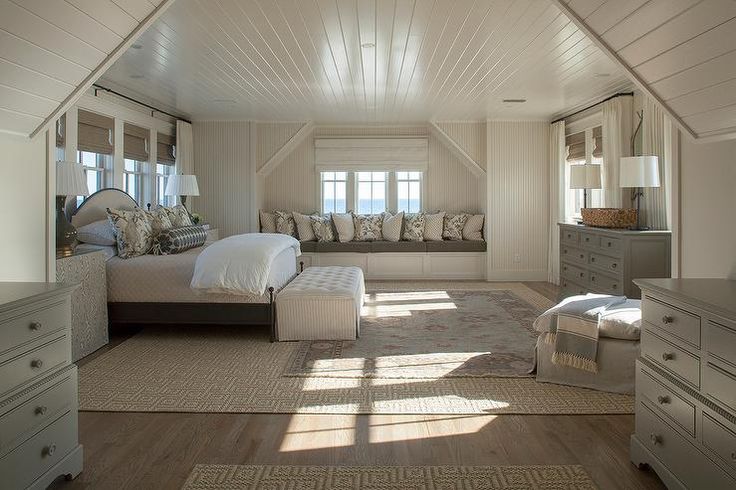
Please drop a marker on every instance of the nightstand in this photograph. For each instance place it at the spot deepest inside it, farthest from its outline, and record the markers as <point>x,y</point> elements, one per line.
<point>89,301</point>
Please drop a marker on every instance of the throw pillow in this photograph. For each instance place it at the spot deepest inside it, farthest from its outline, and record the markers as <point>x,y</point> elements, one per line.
<point>453,227</point>
<point>268,222</point>
<point>473,229</point>
<point>368,227</point>
<point>133,232</point>
<point>392,226</point>
<point>304,227</point>
<point>344,226</point>
<point>433,226</point>
<point>177,240</point>
<point>414,227</point>
<point>179,216</point>
<point>159,219</point>
<point>97,233</point>
<point>285,223</point>
<point>322,227</point>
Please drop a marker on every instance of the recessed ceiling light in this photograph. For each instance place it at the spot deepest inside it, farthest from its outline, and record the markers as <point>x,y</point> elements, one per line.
<point>368,45</point>
<point>602,75</point>
<point>514,101</point>
<point>137,76</point>
<point>136,46</point>
<point>223,101</point>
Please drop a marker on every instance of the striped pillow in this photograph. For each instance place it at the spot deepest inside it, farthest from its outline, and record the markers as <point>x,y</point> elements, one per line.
<point>177,240</point>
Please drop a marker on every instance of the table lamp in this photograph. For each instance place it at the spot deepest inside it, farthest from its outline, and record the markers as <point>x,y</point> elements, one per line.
<point>585,177</point>
<point>70,181</point>
<point>639,172</point>
<point>182,186</point>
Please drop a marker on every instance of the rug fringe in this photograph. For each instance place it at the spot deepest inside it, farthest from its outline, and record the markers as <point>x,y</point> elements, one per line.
<point>550,338</point>
<point>572,360</point>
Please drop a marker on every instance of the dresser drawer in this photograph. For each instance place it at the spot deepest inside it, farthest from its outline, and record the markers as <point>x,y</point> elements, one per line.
<point>721,342</point>
<point>45,405</point>
<point>666,400</point>
<point>611,245</point>
<point>606,284</point>
<point>692,467</point>
<point>39,453</point>
<point>670,357</point>
<point>720,385</point>
<point>607,263</point>
<point>720,439</point>
<point>570,288</point>
<point>590,239</point>
<point>675,321</point>
<point>28,326</point>
<point>569,236</point>
<point>572,254</point>
<point>34,363</point>
<point>574,273</point>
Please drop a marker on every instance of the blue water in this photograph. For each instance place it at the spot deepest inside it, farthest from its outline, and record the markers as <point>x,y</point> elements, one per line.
<point>364,206</point>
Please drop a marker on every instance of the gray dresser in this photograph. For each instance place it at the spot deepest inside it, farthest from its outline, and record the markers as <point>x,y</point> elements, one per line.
<point>686,383</point>
<point>601,260</point>
<point>38,386</point>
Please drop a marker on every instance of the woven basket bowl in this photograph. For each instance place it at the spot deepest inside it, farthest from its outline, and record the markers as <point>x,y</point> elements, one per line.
<point>609,217</point>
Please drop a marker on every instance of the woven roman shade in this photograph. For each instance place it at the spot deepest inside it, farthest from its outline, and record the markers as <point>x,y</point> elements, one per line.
<point>61,131</point>
<point>165,149</point>
<point>575,147</point>
<point>598,142</point>
<point>135,142</point>
<point>95,133</point>
<point>371,154</point>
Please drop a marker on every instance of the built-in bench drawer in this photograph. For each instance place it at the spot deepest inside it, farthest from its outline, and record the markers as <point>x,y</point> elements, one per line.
<point>34,363</point>
<point>606,284</point>
<point>670,357</point>
<point>607,263</point>
<point>721,342</point>
<point>572,254</point>
<point>590,239</point>
<point>666,400</point>
<point>674,321</point>
<point>720,439</point>
<point>569,236</point>
<point>574,273</point>
<point>28,326</point>
<point>720,385</point>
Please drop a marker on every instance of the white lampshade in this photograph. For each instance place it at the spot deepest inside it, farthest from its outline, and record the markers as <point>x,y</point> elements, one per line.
<point>585,177</point>
<point>70,179</point>
<point>182,185</point>
<point>640,171</point>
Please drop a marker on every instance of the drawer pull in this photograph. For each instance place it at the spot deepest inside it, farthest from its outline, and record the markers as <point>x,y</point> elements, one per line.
<point>614,265</point>
<point>615,286</point>
<point>592,278</point>
<point>667,319</point>
<point>564,268</point>
<point>655,439</point>
<point>663,399</point>
<point>668,356</point>
<point>587,238</point>
<point>35,326</point>
<point>609,244</point>
<point>592,259</point>
<point>41,410</point>
<point>37,363</point>
<point>48,450</point>
<point>582,274</point>
<point>733,455</point>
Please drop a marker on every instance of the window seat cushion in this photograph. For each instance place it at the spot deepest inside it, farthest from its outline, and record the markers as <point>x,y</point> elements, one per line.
<point>457,246</point>
<point>386,246</point>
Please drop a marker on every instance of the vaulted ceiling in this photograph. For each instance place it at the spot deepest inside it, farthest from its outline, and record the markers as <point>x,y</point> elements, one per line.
<point>389,61</point>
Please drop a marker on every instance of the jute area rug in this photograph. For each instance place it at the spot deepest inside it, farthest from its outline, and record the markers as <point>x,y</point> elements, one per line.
<point>232,477</point>
<point>236,370</point>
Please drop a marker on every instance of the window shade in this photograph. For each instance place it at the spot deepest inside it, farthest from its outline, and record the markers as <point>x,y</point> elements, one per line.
<point>597,142</point>
<point>95,133</point>
<point>61,131</point>
<point>165,149</point>
<point>135,142</point>
<point>575,147</point>
<point>371,154</point>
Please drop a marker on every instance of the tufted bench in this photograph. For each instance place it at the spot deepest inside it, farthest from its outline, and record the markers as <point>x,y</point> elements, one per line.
<point>321,303</point>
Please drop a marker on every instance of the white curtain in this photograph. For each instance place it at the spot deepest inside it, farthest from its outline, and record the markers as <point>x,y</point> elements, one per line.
<point>557,155</point>
<point>184,148</point>
<point>655,129</point>
<point>616,114</point>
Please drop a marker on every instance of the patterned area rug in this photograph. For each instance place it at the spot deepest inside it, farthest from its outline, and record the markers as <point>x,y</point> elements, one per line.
<point>209,477</point>
<point>430,334</point>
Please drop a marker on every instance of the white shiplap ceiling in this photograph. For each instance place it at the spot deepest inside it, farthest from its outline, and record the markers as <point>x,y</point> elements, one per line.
<point>343,61</point>
<point>682,51</point>
<point>49,49</point>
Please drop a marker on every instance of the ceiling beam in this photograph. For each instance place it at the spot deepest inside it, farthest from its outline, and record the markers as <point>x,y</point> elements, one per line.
<point>456,149</point>
<point>103,67</point>
<point>286,149</point>
<point>603,46</point>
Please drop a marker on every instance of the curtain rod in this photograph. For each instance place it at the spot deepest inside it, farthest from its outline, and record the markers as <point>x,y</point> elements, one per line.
<point>620,94</point>
<point>131,99</point>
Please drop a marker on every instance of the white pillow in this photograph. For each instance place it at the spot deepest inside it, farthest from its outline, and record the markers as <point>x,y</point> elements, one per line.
<point>433,226</point>
<point>344,226</point>
<point>473,229</point>
<point>392,226</point>
<point>304,227</point>
<point>268,222</point>
<point>97,233</point>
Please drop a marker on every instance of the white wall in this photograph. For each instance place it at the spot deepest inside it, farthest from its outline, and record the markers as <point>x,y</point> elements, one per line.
<point>23,246</point>
<point>707,208</point>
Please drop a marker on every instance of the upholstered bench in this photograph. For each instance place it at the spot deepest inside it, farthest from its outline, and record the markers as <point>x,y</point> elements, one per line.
<point>321,303</point>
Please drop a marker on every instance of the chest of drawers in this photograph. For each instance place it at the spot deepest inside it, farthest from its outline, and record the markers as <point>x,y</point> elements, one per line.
<point>598,260</point>
<point>38,386</point>
<point>686,382</point>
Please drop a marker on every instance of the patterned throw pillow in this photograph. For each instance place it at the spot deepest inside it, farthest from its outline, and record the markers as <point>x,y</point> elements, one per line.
<point>177,240</point>
<point>368,227</point>
<point>304,227</point>
<point>392,226</point>
<point>433,226</point>
<point>133,232</point>
<point>322,227</point>
<point>97,233</point>
<point>453,228</point>
<point>473,229</point>
<point>179,216</point>
<point>285,223</point>
<point>414,227</point>
<point>268,222</point>
<point>159,219</point>
<point>344,226</point>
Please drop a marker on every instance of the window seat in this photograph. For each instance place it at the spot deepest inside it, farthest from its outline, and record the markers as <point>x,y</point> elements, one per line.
<point>389,247</point>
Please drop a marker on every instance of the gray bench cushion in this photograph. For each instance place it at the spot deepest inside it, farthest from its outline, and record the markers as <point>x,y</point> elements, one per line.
<point>360,247</point>
<point>457,246</point>
<point>308,246</point>
<point>386,246</point>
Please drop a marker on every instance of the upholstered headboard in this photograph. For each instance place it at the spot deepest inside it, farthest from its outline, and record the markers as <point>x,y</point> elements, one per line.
<point>94,208</point>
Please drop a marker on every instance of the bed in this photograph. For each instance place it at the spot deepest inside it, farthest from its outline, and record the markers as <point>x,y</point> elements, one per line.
<point>155,289</point>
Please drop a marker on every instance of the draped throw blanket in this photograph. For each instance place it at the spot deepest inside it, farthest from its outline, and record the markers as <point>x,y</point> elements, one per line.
<point>575,328</point>
<point>240,264</point>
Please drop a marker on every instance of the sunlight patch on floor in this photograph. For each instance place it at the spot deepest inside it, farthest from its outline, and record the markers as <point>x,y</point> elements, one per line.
<point>383,311</point>
<point>426,428</point>
<point>408,296</point>
<point>305,434</point>
<point>317,383</point>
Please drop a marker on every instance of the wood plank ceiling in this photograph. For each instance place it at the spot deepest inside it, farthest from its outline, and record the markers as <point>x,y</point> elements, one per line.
<point>683,51</point>
<point>364,61</point>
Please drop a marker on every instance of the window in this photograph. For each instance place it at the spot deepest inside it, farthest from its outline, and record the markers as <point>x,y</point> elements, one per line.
<point>334,192</point>
<point>95,168</point>
<point>162,174</point>
<point>585,147</point>
<point>409,191</point>
<point>371,192</point>
<point>133,178</point>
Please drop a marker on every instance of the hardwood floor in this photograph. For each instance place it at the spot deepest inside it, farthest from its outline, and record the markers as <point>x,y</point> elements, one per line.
<point>158,450</point>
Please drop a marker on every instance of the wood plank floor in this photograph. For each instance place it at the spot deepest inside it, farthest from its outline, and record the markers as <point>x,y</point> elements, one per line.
<point>158,450</point>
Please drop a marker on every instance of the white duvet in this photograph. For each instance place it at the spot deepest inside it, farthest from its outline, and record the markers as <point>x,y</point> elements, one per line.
<point>240,264</point>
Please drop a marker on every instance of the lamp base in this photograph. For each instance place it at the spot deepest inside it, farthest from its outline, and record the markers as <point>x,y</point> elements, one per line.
<point>66,234</point>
